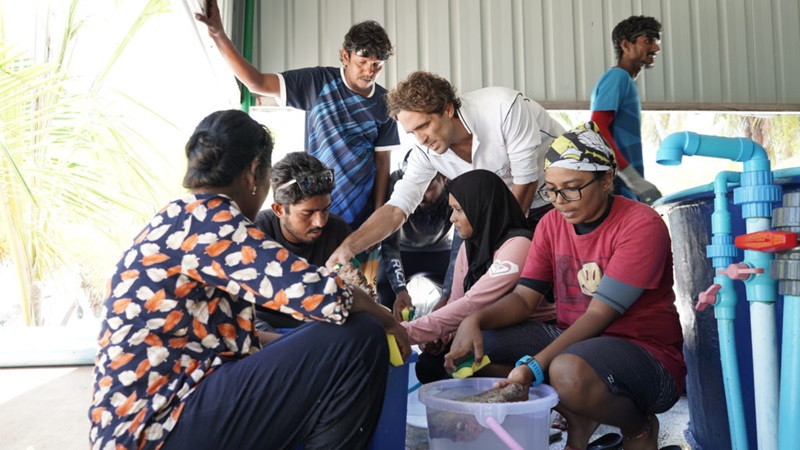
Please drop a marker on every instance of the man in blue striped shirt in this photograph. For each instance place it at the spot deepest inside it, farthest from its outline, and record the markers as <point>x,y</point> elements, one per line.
<point>347,124</point>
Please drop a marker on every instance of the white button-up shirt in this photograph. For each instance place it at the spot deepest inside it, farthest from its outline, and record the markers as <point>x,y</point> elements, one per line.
<point>510,136</point>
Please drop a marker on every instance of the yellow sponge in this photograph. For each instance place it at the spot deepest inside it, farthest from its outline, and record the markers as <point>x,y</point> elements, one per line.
<point>468,367</point>
<point>394,351</point>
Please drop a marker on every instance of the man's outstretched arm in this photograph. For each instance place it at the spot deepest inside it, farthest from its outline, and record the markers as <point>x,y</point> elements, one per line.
<point>258,82</point>
<point>380,225</point>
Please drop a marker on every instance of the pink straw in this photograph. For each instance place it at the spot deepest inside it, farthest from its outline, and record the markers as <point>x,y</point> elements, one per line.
<point>503,434</point>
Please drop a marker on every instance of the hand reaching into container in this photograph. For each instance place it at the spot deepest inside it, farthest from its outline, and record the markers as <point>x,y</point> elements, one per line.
<point>468,340</point>
<point>521,374</point>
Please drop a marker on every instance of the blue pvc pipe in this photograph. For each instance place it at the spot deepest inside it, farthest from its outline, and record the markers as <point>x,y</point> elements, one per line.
<point>722,253</point>
<point>732,384</point>
<point>676,145</point>
<point>756,196</point>
<point>789,415</point>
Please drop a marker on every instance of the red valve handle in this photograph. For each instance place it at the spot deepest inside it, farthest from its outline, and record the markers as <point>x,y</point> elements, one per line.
<point>767,241</point>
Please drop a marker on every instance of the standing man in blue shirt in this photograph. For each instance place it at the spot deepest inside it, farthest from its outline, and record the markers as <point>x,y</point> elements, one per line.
<point>616,107</point>
<point>347,125</point>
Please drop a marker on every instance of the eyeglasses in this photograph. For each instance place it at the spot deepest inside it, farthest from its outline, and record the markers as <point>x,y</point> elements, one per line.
<point>570,194</point>
<point>312,183</point>
<point>365,52</point>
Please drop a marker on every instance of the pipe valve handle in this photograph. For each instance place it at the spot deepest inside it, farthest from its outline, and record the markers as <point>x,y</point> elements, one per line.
<point>740,271</point>
<point>769,241</point>
<point>708,297</point>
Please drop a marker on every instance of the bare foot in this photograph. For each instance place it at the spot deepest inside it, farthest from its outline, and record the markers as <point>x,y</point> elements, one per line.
<point>646,439</point>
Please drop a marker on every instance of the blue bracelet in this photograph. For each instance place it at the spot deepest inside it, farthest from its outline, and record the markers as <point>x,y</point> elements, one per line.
<point>538,374</point>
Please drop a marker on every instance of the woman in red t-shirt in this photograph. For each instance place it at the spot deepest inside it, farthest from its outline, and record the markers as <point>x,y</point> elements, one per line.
<point>615,354</point>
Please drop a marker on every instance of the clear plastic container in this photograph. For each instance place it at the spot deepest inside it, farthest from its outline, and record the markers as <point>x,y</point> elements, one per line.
<point>454,424</point>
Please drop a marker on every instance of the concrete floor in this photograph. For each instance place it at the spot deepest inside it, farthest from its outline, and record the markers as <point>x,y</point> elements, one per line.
<point>45,409</point>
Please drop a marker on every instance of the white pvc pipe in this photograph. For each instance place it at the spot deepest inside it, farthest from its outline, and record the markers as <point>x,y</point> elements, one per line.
<point>766,381</point>
<point>763,330</point>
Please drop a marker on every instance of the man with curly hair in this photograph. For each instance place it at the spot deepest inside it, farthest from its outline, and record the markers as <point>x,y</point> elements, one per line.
<point>347,126</point>
<point>494,128</point>
<point>616,106</point>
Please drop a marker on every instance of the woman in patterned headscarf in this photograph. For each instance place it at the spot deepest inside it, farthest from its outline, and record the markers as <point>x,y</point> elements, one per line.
<point>180,364</point>
<point>615,354</point>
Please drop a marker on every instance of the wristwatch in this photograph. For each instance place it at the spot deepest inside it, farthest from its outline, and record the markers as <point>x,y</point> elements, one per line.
<point>538,374</point>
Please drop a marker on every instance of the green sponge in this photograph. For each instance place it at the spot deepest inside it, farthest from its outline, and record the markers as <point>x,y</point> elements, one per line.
<point>468,367</point>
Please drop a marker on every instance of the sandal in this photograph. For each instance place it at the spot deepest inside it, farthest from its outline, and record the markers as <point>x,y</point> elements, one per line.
<point>610,441</point>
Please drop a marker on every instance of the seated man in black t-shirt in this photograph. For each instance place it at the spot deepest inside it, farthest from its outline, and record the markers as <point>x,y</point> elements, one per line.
<point>300,220</point>
<point>421,246</point>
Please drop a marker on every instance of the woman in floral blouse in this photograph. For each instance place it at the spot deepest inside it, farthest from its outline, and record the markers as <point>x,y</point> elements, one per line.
<point>180,364</point>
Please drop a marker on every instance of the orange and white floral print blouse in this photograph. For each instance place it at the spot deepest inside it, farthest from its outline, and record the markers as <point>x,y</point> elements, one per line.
<point>181,304</point>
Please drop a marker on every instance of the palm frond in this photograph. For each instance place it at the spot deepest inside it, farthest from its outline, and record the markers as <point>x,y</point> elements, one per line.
<point>66,162</point>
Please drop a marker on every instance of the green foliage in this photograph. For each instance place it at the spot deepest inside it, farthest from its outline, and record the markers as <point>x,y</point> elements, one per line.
<point>68,167</point>
<point>785,133</point>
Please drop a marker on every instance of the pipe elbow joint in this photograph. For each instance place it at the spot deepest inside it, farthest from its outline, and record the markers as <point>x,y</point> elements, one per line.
<point>688,143</point>
<point>753,156</point>
<point>672,149</point>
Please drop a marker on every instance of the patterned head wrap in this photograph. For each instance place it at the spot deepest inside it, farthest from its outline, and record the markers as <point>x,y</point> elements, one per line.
<point>582,148</point>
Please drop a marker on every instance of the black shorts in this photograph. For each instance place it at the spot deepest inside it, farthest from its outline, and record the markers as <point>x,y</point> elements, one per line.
<point>626,368</point>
